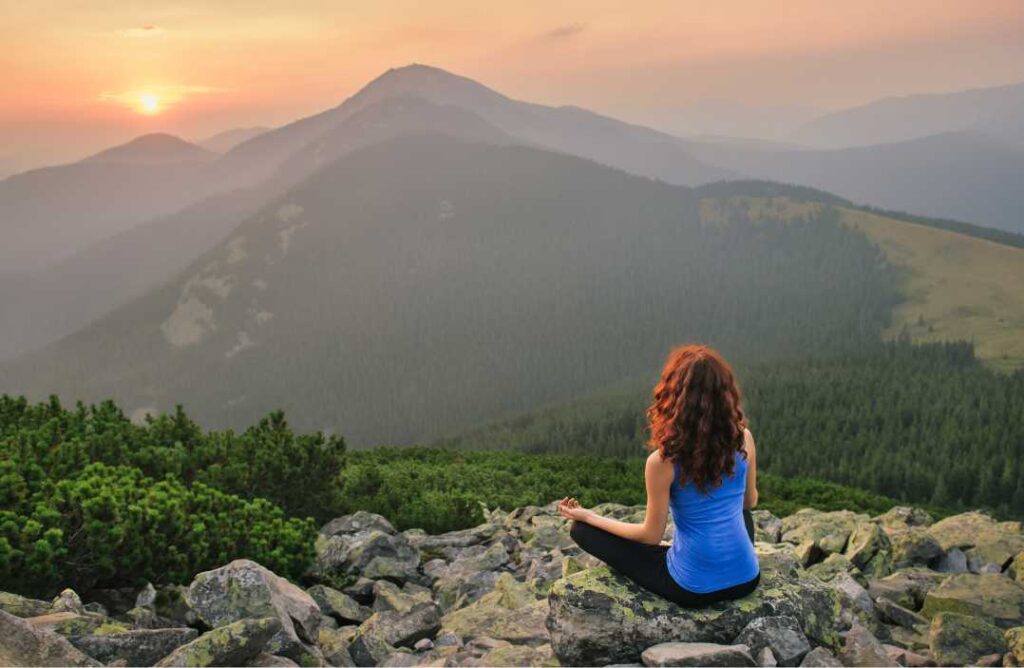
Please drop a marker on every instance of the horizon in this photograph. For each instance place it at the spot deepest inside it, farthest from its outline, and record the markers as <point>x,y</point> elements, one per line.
<point>736,69</point>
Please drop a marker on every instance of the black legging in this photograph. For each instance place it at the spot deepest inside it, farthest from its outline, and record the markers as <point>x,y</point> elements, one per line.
<point>645,564</point>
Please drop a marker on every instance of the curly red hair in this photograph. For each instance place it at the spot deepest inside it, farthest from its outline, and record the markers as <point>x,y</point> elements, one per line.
<point>695,419</point>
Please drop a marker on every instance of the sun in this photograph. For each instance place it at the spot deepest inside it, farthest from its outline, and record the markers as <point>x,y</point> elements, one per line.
<point>149,103</point>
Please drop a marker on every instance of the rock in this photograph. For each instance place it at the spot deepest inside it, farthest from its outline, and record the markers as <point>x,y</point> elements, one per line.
<point>117,601</point>
<point>766,658</point>
<point>334,644</point>
<point>834,564</point>
<point>509,612</point>
<point>1016,568</point>
<point>897,614</point>
<point>68,601</point>
<point>244,589</point>
<point>1015,643</point>
<point>982,539</point>
<point>388,596</point>
<point>24,645</point>
<point>861,648</point>
<point>900,518</point>
<point>598,617</point>
<point>72,624</point>
<point>953,561</point>
<point>356,522</point>
<point>907,587</point>
<point>697,654</point>
<point>134,648</point>
<point>869,549</point>
<point>146,618</point>
<point>819,656</point>
<point>171,603</point>
<point>377,637</point>
<point>855,602</point>
<point>146,597</point>
<point>519,655</point>
<point>372,553</point>
<point>905,657</point>
<point>828,532</point>
<point>914,547</point>
<point>233,644</point>
<point>994,598</point>
<point>470,576</point>
<point>433,546</point>
<point>957,640</point>
<point>767,527</point>
<point>338,605</point>
<point>19,606</point>
<point>809,553</point>
<point>781,634</point>
<point>361,590</point>
<point>911,639</point>
<point>423,644</point>
<point>266,660</point>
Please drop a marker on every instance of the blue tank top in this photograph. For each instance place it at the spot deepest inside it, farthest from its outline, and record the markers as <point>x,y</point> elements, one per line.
<point>711,549</point>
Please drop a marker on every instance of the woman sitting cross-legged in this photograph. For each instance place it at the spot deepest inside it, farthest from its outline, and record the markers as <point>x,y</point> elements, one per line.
<point>704,467</point>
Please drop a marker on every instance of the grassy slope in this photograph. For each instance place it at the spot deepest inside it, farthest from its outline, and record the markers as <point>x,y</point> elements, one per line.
<point>957,287</point>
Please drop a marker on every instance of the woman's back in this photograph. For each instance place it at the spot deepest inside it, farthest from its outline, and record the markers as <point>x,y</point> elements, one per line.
<point>711,549</point>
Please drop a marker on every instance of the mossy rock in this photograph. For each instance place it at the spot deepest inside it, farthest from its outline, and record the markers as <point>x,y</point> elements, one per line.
<point>510,612</point>
<point>990,596</point>
<point>984,540</point>
<point>958,640</point>
<point>519,655</point>
<point>20,606</point>
<point>230,645</point>
<point>828,531</point>
<point>599,617</point>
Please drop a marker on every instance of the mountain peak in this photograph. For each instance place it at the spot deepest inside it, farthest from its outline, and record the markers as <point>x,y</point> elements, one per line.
<point>432,83</point>
<point>152,149</point>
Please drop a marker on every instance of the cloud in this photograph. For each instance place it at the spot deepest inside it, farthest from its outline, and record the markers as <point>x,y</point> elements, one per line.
<point>147,31</point>
<point>566,31</point>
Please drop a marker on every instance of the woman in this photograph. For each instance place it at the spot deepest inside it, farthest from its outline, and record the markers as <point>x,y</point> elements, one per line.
<point>704,467</point>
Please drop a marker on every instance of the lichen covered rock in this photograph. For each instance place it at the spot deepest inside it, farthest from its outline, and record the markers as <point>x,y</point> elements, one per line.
<point>697,654</point>
<point>983,540</point>
<point>22,644</point>
<point>599,617</point>
<point>958,640</point>
<point>143,647</point>
<point>990,596</point>
<point>229,645</point>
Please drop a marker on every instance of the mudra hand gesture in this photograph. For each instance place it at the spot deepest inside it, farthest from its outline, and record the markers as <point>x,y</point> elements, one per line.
<point>570,509</point>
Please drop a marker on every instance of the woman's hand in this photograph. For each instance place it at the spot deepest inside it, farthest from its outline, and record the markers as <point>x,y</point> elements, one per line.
<point>570,509</point>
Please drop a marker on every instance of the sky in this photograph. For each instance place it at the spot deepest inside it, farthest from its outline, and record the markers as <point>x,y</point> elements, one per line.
<point>79,76</point>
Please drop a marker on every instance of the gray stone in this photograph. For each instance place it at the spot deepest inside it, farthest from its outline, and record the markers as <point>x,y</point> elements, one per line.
<point>372,554</point>
<point>339,605</point>
<point>377,637</point>
<point>957,640</point>
<point>819,657</point>
<point>914,547</point>
<point>142,647</point>
<point>230,645</point>
<point>861,648</point>
<point>146,597</point>
<point>24,645</point>
<point>266,660</point>
<point>244,589</point>
<point>952,561</point>
<point>697,654</point>
<point>767,527</point>
<point>897,614</point>
<point>360,520</point>
<point>20,606</point>
<point>766,658</point>
<point>781,634</point>
<point>68,601</point>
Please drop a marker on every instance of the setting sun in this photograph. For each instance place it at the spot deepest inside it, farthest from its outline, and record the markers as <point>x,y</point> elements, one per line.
<point>149,103</point>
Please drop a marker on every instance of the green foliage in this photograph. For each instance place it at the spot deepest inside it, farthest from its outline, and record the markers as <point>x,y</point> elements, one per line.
<point>923,424</point>
<point>439,489</point>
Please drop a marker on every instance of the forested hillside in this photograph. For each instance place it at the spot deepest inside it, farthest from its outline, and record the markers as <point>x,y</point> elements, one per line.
<point>423,285</point>
<point>922,424</point>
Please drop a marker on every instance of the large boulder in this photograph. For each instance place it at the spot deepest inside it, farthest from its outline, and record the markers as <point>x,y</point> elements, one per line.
<point>244,589</point>
<point>986,543</point>
<point>907,587</point>
<point>22,644</point>
<point>827,532</point>
<point>142,647</point>
<point>509,612</point>
<point>377,637</point>
<point>767,527</point>
<point>20,606</point>
<point>348,547</point>
<point>340,606</point>
<point>697,654</point>
<point>869,548</point>
<point>1015,643</point>
<point>990,596</point>
<point>900,518</point>
<point>914,546</point>
<point>360,520</point>
<point>233,644</point>
<point>781,634</point>
<point>599,617</point>
<point>959,640</point>
<point>438,545</point>
<point>862,648</point>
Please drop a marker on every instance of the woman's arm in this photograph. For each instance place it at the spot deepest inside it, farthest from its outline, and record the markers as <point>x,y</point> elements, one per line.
<point>750,495</point>
<point>658,477</point>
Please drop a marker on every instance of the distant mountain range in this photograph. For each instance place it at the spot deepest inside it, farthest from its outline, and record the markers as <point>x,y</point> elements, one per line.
<point>998,112</point>
<point>222,142</point>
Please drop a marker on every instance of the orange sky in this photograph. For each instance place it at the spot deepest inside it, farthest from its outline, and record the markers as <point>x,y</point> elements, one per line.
<point>73,71</point>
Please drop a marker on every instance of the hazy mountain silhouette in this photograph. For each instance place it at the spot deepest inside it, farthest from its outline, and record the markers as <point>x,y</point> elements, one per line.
<point>152,149</point>
<point>997,111</point>
<point>222,142</point>
<point>965,176</point>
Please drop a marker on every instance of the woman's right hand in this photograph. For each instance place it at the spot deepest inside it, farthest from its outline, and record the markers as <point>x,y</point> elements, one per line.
<point>570,509</point>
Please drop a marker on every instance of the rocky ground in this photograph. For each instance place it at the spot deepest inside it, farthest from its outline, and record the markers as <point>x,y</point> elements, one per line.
<point>838,589</point>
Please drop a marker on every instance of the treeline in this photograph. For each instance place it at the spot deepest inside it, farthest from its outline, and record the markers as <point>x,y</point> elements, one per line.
<point>90,499</point>
<point>923,424</point>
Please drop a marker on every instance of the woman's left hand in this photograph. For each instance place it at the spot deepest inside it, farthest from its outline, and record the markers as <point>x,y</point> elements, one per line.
<point>570,509</point>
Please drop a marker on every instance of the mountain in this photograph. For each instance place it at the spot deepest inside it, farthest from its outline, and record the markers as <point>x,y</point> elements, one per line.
<point>961,175</point>
<point>995,111</point>
<point>152,149</point>
<point>441,282</point>
<point>222,142</point>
